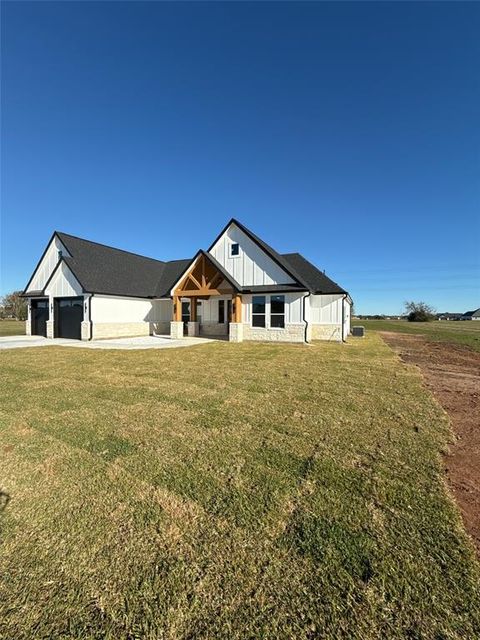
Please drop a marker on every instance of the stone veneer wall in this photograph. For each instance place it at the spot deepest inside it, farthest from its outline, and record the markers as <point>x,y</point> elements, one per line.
<point>235,332</point>
<point>291,333</point>
<point>327,332</point>
<point>119,329</point>
<point>160,328</point>
<point>213,329</point>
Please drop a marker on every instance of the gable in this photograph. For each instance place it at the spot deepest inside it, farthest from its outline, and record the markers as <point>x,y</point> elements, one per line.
<point>63,283</point>
<point>47,265</point>
<point>252,266</point>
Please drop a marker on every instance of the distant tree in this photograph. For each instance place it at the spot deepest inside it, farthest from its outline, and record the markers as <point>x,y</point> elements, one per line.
<point>14,305</point>
<point>419,312</point>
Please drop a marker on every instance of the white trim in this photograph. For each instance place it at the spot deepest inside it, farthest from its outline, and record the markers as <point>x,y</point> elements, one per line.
<point>268,312</point>
<point>189,268</point>
<point>230,245</point>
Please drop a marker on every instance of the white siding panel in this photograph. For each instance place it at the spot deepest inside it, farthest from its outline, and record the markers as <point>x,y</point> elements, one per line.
<point>116,309</point>
<point>326,309</point>
<point>161,311</point>
<point>253,266</point>
<point>47,265</point>
<point>64,284</point>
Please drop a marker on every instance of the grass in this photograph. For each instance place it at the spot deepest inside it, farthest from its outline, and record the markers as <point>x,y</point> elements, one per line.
<point>228,491</point>
<point>466,333</point>
<point>12,328</point>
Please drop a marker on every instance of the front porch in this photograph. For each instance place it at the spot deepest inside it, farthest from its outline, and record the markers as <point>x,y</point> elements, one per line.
<point>206,303</point>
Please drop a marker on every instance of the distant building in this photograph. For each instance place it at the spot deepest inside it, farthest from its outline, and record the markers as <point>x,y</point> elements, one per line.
<point>449,316</point>
<point>471,315</point>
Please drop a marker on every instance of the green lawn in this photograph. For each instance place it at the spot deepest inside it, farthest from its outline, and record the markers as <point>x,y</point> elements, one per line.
<point>228,491</point>
<point>466,333</point>
<point>12,328</point>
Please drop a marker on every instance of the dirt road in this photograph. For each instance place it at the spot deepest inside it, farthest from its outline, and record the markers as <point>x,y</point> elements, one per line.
<point>452,373</point>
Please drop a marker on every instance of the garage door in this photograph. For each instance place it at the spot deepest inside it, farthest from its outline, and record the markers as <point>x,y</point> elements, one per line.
<point>68,317</point>
<point>39,310</point>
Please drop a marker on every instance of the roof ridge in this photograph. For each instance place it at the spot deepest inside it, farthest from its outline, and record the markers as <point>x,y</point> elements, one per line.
<point>108,246</point>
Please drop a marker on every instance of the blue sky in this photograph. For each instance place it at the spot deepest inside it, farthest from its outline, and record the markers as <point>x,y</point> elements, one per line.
<point>346,131</point>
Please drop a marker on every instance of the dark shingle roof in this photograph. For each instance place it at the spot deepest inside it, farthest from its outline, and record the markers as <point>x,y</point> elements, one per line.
<point>171,273</point>
<point>103,269</point>
<point>313,278</point>
<point>471,314</point>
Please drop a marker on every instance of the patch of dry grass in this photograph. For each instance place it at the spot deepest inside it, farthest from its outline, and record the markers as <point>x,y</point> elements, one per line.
<point>228,491</point>
<point>463,332</point>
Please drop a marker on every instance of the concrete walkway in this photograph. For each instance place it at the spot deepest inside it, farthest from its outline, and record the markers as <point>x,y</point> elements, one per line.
<point>145,342</point>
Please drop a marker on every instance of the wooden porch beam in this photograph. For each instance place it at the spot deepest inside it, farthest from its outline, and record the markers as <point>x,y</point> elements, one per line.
<point>193,309</point>
<point>201,292</point>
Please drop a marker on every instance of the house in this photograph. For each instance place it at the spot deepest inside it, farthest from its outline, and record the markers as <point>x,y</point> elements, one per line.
<point>449,316</point>
<point>239,287</point>
<point>471,315</point>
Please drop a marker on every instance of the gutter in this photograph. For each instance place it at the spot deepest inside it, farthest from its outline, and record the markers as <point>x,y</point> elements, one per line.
<point>304,316</point>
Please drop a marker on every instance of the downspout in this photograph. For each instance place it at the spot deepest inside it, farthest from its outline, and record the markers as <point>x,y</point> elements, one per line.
<point>343,317</point>
<point>90,315</point>
<point>304,315</point>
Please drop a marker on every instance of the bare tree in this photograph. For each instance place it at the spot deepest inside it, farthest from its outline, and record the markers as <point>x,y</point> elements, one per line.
<point>15,305</point>
<point>419,311</point>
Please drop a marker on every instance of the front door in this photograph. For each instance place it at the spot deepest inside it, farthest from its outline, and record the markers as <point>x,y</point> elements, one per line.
<point>39,311</point>
<point>185,316</point>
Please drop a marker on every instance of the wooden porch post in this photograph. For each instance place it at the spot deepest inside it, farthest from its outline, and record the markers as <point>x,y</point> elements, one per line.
<point>193,309</point>
<point>177,309</point>
<point>238,308</point>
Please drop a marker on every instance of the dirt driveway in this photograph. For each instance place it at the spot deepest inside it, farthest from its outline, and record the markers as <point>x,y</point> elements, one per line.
<point>452,373</point>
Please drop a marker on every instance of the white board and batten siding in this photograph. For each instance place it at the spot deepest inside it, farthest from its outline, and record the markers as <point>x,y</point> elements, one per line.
<point>47,265</point>
<point>64,284</point>
<point>326,309</point>
<point>252,266</point>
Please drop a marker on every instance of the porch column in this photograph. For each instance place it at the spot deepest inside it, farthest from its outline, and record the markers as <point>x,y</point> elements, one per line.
<point>28,321</point>
<point>176,326</point>
<point>238,308</point>
<point>193,325</point>
<point>51,318</point>
<point>86,326</point>
<point>236,325</point>
<point>177,309</point>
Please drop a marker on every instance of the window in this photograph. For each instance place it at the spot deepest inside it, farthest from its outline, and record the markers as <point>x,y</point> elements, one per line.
<point>59,253</point>
<point>234,249</point>
<point>221,311</point>
<point>258,311</point>
<point>277,312</point>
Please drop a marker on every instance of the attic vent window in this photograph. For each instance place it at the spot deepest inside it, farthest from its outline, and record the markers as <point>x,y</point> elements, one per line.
<point>234,249</point>
<point>60,254</point>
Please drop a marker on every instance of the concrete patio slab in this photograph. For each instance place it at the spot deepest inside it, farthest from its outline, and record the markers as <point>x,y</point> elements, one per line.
<point>144,342</point>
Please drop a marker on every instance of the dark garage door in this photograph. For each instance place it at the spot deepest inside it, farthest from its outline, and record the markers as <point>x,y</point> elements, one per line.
<point>39,310</point>
<point>68,317</point>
